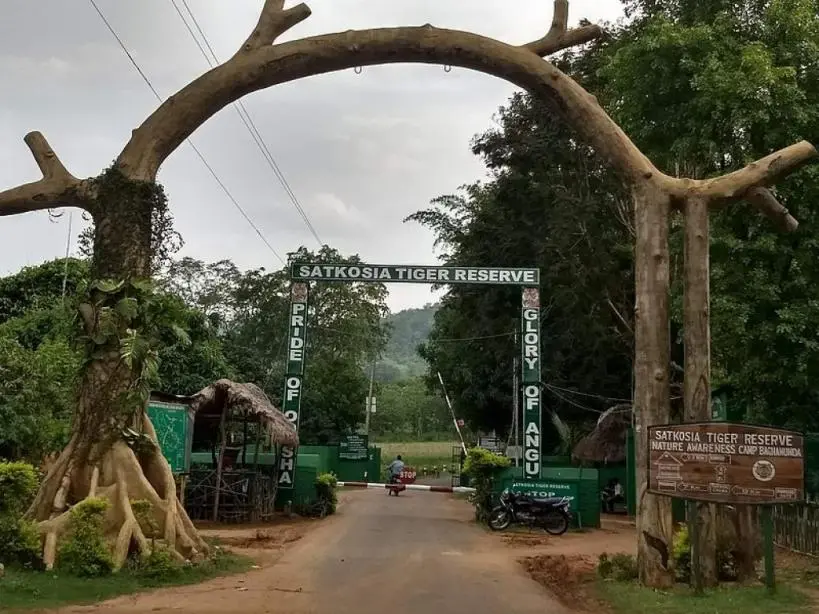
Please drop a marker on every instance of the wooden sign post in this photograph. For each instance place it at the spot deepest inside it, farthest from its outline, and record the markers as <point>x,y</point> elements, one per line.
<point>737,464</point>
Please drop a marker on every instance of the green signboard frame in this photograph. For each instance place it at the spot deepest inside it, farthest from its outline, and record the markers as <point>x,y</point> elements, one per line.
<point>293,379</point>
<point>173,423</point>
<point>354,448</point>
<point>302,273</point>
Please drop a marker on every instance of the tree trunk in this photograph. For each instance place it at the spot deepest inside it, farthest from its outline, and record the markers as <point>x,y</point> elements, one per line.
<point>748,543</point>
<point>97,461</point>
<point>697,383</point>
<point>652,210</point>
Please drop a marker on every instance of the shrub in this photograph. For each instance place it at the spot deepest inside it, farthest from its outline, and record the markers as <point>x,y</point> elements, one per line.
<point>481,466</point>
<point>326,491</point>
<point>160,563</point>
<point>84,552</point>
<point>620,567</point>
<point>681,554</point>
<point>18,483</point>
<point>19,542</point>
<point>19,538</point>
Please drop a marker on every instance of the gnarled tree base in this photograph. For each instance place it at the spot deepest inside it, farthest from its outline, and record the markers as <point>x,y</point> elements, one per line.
<point>121,476</point>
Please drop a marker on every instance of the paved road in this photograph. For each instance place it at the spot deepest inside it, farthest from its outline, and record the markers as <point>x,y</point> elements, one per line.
<point>413,554</point>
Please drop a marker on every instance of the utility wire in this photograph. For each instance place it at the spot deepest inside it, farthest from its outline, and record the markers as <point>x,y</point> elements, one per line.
<point>589,395</point>
<point>195,149</point>
<point>213,60</point>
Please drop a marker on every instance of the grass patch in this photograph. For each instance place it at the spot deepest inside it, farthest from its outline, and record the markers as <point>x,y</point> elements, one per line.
<point>419,454</point>
<point>22,590</point>
<point>629,598</point>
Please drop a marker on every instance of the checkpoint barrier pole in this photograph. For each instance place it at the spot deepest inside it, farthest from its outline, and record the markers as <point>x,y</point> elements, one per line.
<point>376,485</point>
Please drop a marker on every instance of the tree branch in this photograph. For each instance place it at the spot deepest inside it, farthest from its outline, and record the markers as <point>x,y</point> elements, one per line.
<point>751,184</point>
<point>559,36</point>
<point>274,21</point>
<point>766,203</point>
<point>762,173</point>
<point>57,188</point>
<point>179,116</point>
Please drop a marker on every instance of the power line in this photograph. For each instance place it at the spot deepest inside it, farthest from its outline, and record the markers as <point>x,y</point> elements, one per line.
<point>212,59</point>
<point>195,149</point>
<point>588,395</point>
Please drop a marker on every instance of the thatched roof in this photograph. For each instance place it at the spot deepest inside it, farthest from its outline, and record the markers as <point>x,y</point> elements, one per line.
<point>248,401</point>
<point>607,442</point>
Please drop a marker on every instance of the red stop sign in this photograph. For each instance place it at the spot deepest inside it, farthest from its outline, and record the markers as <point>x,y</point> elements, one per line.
<point>407,476</point>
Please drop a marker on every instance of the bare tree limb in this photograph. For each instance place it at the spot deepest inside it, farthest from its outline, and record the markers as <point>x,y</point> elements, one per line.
<point>274,21</point>
<point>559,36</point>
<point>766,203</point>
<point>762,173</point>
<point>57,188</point>
<point>263,67</point>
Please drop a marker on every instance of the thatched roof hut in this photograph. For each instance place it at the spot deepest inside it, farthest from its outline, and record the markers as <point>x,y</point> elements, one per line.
<point>246,402</point>
<point>607,442</point>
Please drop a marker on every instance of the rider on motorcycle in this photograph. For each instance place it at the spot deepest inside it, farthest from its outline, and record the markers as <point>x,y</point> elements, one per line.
<point>395,468</point>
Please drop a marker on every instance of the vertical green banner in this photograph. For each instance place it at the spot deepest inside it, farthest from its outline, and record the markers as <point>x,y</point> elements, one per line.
<point>530,343</point>
<point>296,355</point>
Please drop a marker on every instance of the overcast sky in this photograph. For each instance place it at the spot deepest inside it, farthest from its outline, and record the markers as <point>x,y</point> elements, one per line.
<point>361,152</point>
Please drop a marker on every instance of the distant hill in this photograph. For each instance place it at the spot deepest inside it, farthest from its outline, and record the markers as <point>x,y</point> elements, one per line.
<point>410,328</point>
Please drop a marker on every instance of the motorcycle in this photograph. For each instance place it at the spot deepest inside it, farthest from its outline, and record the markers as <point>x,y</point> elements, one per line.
<point>552,514</point>
<point>395,486</point>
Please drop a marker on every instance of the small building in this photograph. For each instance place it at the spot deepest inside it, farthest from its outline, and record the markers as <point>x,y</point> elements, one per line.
<point>237,435</point>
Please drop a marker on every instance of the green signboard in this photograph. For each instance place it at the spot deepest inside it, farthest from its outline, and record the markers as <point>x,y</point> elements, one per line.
<point>547,488</point>
<point>388,273</point>
<point>173,423</point>
<point>530,349</point>
<point>354,447</point>
<point>291,398</point>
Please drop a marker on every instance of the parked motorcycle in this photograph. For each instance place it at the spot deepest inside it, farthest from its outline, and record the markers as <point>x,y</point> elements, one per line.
<point>552,514</point>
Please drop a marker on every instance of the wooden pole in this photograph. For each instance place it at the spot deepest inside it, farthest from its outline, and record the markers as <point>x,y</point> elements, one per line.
<point>768,542</point>
<point>697,384</point>
<point>652,360</point>
<point>219,463</point>
<point>694,540</point>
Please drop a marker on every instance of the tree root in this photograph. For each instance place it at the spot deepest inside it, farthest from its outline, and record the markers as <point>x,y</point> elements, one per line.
<point>121,478</point>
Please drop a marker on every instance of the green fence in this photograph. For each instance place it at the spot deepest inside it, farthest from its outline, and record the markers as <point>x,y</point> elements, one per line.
<point>578,482</point>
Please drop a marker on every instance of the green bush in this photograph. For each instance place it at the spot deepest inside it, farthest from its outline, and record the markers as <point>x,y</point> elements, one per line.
<point>19,542</point>
<point>681,554</point>
<point>18,483</point>
<point>620,567</point>
<point>326,491</point>
<point>481,466</point>
<point>19,538</point>
<point>159,564</point>
<point>84,552</point>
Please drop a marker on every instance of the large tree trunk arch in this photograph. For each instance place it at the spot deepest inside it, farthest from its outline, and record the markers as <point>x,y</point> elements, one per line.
<point>260,64</point>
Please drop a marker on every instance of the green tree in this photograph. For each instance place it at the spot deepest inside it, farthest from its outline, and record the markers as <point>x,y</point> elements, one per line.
<point>407,411</point>
<point>704,88</point>
<point>347,328</point>
<point>549,203</point>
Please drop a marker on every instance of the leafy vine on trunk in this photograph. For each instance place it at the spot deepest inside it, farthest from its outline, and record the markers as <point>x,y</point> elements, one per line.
<point>113,453</point>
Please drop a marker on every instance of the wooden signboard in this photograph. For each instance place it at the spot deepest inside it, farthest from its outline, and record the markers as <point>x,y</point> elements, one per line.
<point>726,463</point>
